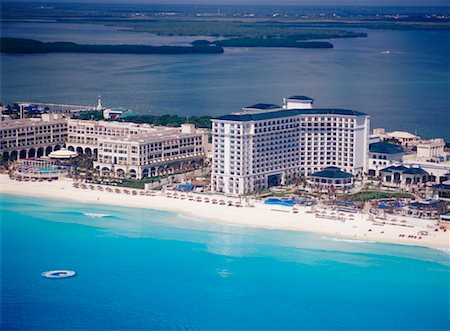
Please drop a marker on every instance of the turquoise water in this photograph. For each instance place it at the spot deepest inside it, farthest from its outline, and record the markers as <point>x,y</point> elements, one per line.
<point>400,78</point>
<point>146,269</point>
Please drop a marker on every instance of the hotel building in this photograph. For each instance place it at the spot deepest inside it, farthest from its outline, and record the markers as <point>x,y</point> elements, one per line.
<point>32,137</point>
<point>153,153</point>
<point>83,136</point>
<point>121,149</point>
<point>266,145</point>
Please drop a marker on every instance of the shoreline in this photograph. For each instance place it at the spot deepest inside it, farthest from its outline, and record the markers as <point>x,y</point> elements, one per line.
<point>356,227</point>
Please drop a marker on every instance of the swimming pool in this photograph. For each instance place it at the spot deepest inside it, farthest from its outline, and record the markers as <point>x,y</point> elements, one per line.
<point>280,202</point>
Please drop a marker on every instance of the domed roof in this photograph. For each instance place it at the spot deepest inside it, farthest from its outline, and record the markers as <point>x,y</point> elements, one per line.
<point>63,154</point>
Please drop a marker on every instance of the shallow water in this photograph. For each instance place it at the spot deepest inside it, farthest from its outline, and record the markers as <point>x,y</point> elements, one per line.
<point>147,269</point>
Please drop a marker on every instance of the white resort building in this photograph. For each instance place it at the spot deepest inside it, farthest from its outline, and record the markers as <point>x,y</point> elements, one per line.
<point>32,137</point>
<point>152,153</point>
<point>267,145</point>
<point>121,149</point>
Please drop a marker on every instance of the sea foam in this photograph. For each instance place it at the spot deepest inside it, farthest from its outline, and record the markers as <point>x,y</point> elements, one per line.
<point>348,240</point>
<point>95,215</point>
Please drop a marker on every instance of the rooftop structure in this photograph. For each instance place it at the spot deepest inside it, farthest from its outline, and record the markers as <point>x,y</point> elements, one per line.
<point>298,102</point>
<point>62,154</point>
<point>385,148</point>
<point>261,106</point>
<point>331,178</point>
<point>331,172</point>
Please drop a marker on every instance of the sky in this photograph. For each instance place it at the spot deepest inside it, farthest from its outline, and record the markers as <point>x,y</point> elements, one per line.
<point>269,2</point>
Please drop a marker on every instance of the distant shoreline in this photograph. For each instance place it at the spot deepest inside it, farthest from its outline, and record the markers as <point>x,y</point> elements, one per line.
<point>31,46</point>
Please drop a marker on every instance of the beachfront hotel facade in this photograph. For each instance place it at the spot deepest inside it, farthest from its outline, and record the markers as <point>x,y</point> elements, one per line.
<point>267,145</point>
<point>152,153</point>
<point>83,135</point>
<point>120,149</point>
<point>32,137</point>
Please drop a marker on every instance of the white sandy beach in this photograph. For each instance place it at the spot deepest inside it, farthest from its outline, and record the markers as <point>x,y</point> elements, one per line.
<point>356,227</point>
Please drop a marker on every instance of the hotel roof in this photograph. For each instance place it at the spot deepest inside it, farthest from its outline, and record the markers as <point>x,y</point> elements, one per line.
<point>332,172</point>
<point>416,171</point>
<point>401,135</point>
<point>263,106</point>
<point>300,97</point>
<point>29,122</point>
<point>405,170</point>
<point>246,117</point>
<point>395,168</point>
<point>149,137</point>
<point>385,148</point>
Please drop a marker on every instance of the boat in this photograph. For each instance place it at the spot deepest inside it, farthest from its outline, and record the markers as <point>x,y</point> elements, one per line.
<point>56,274</point>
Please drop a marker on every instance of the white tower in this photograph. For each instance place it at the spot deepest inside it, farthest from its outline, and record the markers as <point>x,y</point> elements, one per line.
<point>99,103</point>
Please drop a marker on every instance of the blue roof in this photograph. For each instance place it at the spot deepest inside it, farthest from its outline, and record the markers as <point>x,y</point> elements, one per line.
<point>263,106</point>
<point>396,168</point>
<point>301,97</point>
<point>416,171</point>
<point>403,169</point>
<point>331,172</point>
<point>385,148</point>
<point>245,117</point>
<point>442,186</point>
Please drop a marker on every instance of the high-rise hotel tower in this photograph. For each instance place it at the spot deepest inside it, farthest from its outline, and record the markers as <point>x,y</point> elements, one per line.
<point>266,145</point>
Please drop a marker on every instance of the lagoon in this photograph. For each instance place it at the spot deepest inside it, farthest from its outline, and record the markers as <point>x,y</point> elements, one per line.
<point>400,78</point>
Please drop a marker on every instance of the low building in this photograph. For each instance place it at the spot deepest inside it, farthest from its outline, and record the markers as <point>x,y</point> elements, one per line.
<point>437,168</point>
<point>442,191</point>
<point>444,220</point>
<point>32,137</point>
<point>331,178</point>
<point>405,138</point>
<point>430,149</point>
<point>382,155</point>
<point>401,175</point>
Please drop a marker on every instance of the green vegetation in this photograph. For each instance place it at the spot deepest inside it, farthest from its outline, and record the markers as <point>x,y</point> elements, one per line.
<point>89,115</point>
<point>137,183</point>
<point>371,195</point>
<point>162,120</point>
<point>271,42</point>
<point>30,46</point>
<point>234,28</point>
<point>171,120</point>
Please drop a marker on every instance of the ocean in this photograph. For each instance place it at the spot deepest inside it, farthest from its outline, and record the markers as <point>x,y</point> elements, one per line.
<point>155,270</point>
<point>400,78</point>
